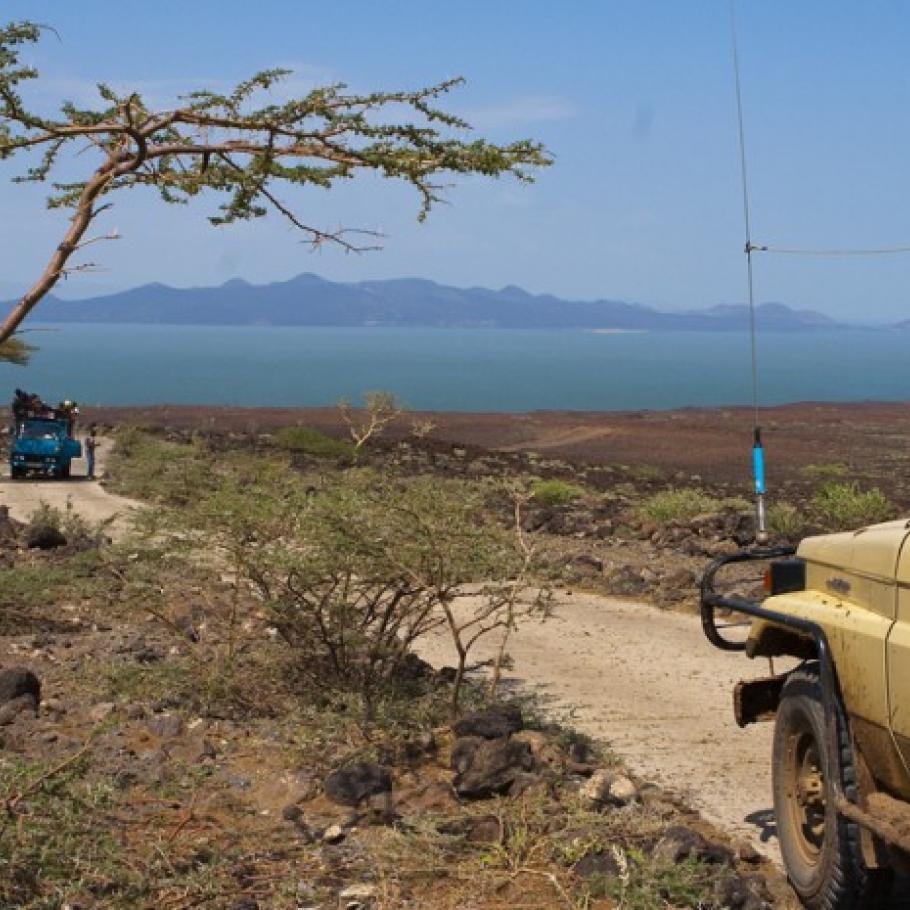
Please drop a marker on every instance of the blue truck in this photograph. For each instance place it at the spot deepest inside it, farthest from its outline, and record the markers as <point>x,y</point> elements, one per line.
<point>43,442</point>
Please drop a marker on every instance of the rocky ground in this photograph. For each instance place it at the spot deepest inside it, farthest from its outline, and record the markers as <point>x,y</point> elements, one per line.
<point>130,779</point>
<point>154,752</point>
<point>602,540</point>
<point>870,439</point>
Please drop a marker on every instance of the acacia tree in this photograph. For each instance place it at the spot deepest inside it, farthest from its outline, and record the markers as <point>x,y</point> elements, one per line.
<point>234,145</point>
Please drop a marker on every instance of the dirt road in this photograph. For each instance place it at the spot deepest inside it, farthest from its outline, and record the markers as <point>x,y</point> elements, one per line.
<point>88,497</point>
<point>648,683</point>
<point>642,679</point>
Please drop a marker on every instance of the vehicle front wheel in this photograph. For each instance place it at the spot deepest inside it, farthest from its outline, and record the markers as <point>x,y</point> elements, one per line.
<point>820,849</point>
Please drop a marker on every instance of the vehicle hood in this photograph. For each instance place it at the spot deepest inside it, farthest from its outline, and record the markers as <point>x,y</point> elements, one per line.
<point>872,552</point>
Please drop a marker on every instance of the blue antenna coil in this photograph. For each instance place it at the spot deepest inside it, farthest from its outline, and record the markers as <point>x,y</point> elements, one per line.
<point>758,467</point>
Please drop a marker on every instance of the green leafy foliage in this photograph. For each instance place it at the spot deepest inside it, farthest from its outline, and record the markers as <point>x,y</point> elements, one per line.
<point>683,505</point>
<point>786,520</point>
<point>351,567</point>
<point>843,506</point>
<point>307,441</point>
<point>556,492</point>
<point>159,470</point>
<point>16,351</point>
<point>356,570</point>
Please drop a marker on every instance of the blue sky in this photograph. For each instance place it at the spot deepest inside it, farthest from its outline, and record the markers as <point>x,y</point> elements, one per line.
<point>633,97</point>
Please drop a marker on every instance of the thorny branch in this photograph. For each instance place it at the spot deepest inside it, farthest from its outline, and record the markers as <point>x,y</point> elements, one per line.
<point>239,147</point>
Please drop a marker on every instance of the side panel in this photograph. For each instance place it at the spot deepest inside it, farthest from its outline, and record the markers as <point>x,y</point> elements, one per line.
<point>898,656</point>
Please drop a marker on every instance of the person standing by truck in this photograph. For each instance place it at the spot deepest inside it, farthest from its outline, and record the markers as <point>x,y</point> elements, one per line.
<point>90,443</point>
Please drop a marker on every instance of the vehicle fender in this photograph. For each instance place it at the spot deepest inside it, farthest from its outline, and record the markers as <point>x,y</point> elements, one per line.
<point>856,637</point>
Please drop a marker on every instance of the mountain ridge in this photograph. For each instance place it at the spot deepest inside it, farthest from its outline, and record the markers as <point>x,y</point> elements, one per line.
<point>308,299</point>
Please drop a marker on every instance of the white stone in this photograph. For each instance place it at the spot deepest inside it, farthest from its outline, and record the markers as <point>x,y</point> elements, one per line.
<point>604,787</point>
<point>357,892</point>
<point>333,834</point>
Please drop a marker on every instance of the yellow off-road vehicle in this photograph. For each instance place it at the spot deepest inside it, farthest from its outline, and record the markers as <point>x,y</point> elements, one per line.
<point>840,604</point>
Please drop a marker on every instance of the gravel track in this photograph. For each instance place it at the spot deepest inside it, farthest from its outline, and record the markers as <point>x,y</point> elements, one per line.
<point>88,497</point>
<point>647,682</point>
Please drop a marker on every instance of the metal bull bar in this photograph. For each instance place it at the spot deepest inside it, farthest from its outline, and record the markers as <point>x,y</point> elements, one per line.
<point>879,826</point>
<point>712,600</point>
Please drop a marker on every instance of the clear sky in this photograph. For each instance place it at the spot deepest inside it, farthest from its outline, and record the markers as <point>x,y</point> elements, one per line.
<point>633,97</point>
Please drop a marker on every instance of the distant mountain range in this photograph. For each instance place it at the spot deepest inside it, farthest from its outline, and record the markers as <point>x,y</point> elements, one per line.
<point>309,300</point>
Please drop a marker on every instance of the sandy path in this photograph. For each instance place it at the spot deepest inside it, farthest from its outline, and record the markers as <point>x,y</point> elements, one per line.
<point>559,439</point>
<point>648,683</point>
<point>88,497</point>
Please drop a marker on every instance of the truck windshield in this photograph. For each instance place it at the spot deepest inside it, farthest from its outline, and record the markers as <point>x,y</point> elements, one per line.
<point>41,429</point>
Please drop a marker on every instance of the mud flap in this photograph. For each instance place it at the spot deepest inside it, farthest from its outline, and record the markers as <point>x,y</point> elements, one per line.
<point>756,700</point>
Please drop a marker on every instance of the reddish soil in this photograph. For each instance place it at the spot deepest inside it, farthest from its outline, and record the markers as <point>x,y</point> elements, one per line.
<point>870,438</point>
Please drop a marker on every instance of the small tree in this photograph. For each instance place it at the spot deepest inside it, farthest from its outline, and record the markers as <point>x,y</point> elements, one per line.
<point>422,427</point>
<point>352,572</point>
<point>379,410</point>
<point>241,150</point>
<point>496,607</point>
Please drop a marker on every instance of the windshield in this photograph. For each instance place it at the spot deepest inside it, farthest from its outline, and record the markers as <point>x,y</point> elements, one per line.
<point>41,429</point>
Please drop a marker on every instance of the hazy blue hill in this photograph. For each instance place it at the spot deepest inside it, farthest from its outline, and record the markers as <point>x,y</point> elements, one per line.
<point>309,300</point>
<point>770,313</point>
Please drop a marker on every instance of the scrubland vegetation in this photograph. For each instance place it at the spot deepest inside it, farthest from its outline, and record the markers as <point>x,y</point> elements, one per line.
<point>204,680</point>
<point>685,504</point>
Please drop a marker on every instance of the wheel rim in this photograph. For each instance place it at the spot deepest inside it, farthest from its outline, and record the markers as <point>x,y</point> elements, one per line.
<point>806,802</point>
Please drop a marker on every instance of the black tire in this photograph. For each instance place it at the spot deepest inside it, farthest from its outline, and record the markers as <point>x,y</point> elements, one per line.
<point>65,472</point>
<point>16,473</point>
<point>820,849</point>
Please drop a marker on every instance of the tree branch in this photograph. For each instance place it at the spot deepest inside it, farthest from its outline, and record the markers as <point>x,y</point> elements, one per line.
<point>226,145</point>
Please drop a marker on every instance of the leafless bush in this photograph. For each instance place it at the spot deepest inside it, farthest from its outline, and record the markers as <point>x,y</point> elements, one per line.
<point>379,410</point>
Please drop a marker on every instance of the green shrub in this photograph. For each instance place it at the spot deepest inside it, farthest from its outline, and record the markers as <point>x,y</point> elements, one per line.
<point>45,516</point>
<point>556,492</point>
<point>354,570</point>
<point>785,520</point>
<point>148,467</point>
<point>841,506</point>
<point>643,472</point>
<point>78,531</point>
<point>307,441</point>
<point>826,471</point>
<point>683,505</point>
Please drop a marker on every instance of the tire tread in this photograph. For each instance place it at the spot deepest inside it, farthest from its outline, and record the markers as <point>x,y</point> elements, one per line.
<point>850,885</point>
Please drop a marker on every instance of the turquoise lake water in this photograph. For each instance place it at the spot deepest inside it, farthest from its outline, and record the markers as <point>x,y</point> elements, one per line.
<point>455,369</point>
